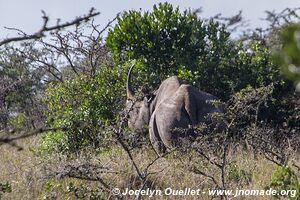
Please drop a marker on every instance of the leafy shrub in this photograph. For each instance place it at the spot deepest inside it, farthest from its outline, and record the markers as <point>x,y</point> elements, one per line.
<point>5,188</point>
<point>173,43</point>
<point>83,106</point>
<point>284,178</point>
<point>20,106</point>
<point>18,121</point>
<point>288,55</point>
<point>164,39</point>
<point>53,142</point>
<point>84,191</point>
<point>238,67</point>
<point>244,109</point>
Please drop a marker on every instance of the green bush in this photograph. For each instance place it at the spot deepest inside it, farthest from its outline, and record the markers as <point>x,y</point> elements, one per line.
<point>4,188</point>
<point>284,178</point>
<point>236,67</point>
<point>54,142</point>
<point>18,121</point>
<point>170,42</point>
<point>164,39</point>
<point>20,106</point>
<point>84,191</point>
<point>84,106</point>
<point>288,55</point>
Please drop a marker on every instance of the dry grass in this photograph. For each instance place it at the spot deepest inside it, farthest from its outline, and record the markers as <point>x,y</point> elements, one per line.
<point>21,169</point>
<point>27,173</point>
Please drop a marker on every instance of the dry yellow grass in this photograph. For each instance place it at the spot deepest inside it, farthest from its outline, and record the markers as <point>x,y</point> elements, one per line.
<point>27,172</point>
<point>21,169</point>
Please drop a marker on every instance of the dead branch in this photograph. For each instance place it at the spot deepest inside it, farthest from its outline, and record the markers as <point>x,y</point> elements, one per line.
<point>197,171</point>
<point>85,171</point>
<point>7,139</point>
<point>46,28</point>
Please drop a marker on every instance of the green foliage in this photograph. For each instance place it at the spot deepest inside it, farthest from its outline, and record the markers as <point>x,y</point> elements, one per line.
<point>171,42</point>
<point>288,56</point>
<point>54,189</point>
<point>167,41</point>
<point>164,39</point>
<point>18,121</point>
<point>19,87</point>
<point>54,142</point>
<point>245,107</point>
<point>235,67</point>
<point>284,178</point>
<point>83,106</point>
<point>84,191</point>
<point>261,107</point>
<point>5,188</point>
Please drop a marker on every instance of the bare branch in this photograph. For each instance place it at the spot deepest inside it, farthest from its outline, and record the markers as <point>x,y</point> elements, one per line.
<point>45,28</point>
<point>85,171</point>
<point>197,171</point>
<point>6,139</point>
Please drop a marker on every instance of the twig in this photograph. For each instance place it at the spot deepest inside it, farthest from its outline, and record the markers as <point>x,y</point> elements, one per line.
<point>8,140</point>
<point>84,172</point>
<point>45,28</point>
<point>197,171</point>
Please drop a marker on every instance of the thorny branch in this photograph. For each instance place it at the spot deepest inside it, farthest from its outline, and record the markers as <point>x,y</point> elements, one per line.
<point>9,139</point>
<point>46,28</point>
<point>44,62</point>
<point>142,173</point>
<point>86,171</point>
